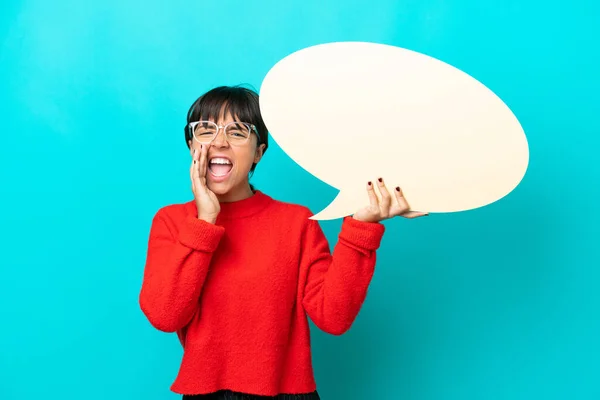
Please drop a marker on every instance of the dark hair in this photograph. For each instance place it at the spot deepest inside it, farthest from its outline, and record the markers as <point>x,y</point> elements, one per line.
<point>239,102</point>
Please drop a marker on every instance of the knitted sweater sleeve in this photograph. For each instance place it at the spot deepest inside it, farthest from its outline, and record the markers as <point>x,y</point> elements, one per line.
<point>178,257</point>
<point>336,284</point>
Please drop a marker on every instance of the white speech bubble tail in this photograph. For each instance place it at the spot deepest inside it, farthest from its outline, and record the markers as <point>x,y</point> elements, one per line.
<point>344,204</point>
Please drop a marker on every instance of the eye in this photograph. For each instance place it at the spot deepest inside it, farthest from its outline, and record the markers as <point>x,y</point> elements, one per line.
<point>238,130</point>
<point>204,131</point>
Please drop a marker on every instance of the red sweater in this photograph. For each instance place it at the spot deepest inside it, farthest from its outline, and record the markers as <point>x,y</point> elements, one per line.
<point>238,292</point>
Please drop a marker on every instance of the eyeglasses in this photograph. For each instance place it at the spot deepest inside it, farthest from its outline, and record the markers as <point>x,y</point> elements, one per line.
<point>236,133</point>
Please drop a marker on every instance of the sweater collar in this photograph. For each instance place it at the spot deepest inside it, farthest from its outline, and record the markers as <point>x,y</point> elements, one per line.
<point>239,209</point>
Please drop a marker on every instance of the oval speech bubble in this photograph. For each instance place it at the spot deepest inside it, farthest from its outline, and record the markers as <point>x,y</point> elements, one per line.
<point>350,112</point>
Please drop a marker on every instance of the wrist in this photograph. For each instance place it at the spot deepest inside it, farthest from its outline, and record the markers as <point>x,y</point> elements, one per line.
<point>367,220</point>
<point>208,218</point>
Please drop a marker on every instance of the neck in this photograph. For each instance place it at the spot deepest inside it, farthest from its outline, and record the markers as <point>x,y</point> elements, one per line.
<point>241,193</point>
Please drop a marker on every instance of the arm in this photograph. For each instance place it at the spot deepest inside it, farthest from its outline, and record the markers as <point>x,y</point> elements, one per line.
<point>336,284</point>
<point>177,263</point>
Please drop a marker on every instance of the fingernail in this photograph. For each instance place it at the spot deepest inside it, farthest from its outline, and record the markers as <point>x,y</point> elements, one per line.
<point>380,180</point>
<point>398,188</point>
<point>369,183</point>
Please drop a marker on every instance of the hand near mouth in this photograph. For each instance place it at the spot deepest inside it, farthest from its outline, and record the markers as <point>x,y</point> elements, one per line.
<point>206,201</point>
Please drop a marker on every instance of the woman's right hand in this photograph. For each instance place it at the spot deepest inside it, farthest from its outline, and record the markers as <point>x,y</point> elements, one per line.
<point>206,201</point>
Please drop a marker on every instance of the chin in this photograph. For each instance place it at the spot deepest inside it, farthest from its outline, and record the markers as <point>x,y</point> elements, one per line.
<point>219,188</point>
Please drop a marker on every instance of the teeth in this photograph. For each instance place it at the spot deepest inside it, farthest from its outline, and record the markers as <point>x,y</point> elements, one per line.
<point>218,160</point>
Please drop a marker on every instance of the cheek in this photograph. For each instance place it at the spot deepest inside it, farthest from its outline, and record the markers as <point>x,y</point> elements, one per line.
<point>244,159</point>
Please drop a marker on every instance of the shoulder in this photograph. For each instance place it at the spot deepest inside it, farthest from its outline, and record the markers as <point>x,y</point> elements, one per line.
<point>294,219</point>
<point>290,209</point>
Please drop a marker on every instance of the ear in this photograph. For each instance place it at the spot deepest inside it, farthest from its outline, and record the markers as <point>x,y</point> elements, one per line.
<point>191,147</point>
<point>259,153</point>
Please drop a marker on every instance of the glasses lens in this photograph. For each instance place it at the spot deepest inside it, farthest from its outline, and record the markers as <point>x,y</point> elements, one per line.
<point>205,131</point>
<point>238,132</point>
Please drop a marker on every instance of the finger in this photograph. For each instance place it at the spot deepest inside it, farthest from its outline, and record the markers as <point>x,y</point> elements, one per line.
<point>203,163</point>
<point>197,160</point>
<point>193,167</point>
<point>403,206</point>
<point>372,196</point>
<point>386,199</point>
<point>415,214</point>
<point>197,167</point>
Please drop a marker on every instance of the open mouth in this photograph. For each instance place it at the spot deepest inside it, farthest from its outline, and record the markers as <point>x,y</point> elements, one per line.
<point>220,166</point>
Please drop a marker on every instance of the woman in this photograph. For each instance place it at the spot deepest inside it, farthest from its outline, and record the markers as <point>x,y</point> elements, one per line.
<point>236,273</point>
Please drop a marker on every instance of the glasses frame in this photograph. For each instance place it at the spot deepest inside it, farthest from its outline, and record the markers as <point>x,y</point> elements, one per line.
<point>252,127</point>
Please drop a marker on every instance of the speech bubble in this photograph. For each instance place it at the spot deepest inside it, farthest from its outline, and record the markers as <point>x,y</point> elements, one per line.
<point>350,112</point>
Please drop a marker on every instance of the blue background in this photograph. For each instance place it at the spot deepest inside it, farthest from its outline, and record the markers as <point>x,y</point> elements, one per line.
<point>497,303</point>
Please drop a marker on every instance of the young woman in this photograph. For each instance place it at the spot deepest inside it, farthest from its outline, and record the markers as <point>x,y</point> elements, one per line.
<point>236,274</point>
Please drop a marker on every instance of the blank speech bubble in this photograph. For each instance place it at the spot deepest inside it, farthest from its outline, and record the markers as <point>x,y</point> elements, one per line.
<point>350,112</point>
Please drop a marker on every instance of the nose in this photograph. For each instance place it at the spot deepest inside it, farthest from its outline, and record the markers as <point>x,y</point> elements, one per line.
<point>220,139</point>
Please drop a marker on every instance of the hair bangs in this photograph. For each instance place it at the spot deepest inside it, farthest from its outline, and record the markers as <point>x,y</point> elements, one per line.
<point>222,102</point>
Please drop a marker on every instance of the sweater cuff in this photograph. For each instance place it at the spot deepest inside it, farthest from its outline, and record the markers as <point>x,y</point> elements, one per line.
<point>200,235</point>
<point>366,235</point>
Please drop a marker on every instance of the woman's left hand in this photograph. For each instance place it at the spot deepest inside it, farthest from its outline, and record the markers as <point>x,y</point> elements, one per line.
<point>379,210</point>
